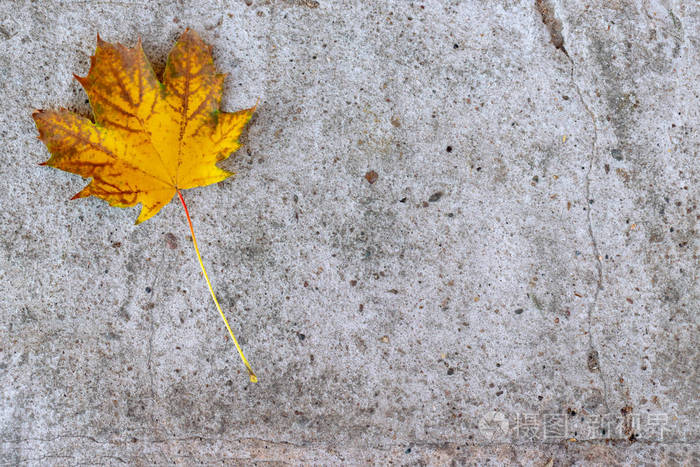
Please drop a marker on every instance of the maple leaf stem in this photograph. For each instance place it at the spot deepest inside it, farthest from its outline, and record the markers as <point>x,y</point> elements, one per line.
<point>253,378</point>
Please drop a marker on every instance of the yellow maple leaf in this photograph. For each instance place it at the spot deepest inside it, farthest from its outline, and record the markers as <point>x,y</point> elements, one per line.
<point>149,140</point>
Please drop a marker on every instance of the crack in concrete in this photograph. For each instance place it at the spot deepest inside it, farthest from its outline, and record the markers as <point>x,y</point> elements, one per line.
<point>150,352</point>
<point>321,445</point>
<point>50,440</point>
<point>43,458</point>
<point>553,24</point>
<point>157,280</point>
<point>593,355</point>
<point>555,29</point>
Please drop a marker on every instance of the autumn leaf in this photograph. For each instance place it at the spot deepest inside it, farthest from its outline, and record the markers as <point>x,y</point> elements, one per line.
<point>149,140</point>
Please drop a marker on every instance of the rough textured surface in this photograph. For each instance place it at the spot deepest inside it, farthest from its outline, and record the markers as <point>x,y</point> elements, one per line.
<point>461,232</point>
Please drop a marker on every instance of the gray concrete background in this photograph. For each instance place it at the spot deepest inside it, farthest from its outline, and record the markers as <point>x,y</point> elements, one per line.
<point>527,256</point>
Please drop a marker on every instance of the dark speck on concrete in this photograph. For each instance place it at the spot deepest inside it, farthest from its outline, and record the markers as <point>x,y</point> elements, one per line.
<point>435,196</point>
<point>171,240</point>
<point>593,361</point>
<point>519,311</point>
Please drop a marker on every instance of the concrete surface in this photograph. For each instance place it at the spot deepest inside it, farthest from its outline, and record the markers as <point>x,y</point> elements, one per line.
<point>519,284</point>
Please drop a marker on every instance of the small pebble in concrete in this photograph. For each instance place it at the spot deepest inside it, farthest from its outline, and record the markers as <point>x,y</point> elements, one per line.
<point>371,176</point>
